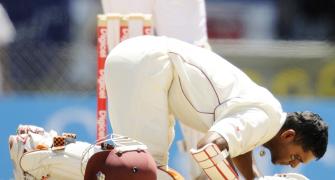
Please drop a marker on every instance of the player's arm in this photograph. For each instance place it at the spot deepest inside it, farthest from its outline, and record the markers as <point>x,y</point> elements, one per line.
<point>246,166</point>
<point>244,162</point>
<point>242,131</point>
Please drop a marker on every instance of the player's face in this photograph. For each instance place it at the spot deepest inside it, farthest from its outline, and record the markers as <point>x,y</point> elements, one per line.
<point>291,155</point>
<point>287,152</point>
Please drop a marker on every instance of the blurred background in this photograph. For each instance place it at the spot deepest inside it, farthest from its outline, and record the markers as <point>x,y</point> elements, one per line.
<point>48,65</point>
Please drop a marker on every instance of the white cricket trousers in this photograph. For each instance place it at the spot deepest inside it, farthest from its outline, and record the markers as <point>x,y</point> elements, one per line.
<point>138,76</point>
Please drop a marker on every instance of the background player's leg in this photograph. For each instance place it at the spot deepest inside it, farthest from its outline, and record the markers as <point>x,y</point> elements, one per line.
<point>127,6</point>
<point>182,19</point>
<point>191,139</point>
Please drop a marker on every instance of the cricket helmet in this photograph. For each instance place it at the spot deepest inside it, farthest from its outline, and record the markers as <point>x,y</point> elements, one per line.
<point>128,165</point>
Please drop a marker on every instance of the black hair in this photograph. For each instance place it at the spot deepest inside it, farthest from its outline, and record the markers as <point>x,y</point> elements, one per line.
<point>311,131</point>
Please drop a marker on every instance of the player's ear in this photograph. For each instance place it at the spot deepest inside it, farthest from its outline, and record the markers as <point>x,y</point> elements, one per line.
<point>288,135</point>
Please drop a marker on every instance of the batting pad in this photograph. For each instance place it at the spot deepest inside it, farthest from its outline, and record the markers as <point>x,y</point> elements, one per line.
<point>62,164</point>
<point>214,163</point>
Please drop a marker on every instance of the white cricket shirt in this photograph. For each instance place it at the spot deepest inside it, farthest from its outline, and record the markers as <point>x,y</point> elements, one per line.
<point>209,93</point>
